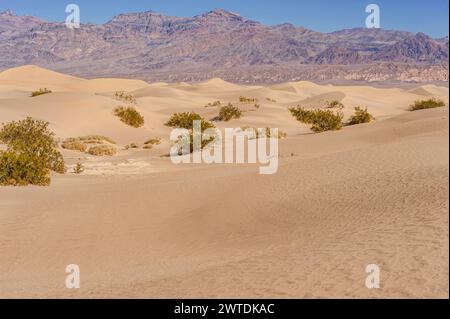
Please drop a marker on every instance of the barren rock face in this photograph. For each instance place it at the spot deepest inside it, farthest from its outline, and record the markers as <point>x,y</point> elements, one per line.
<point>219,43</point>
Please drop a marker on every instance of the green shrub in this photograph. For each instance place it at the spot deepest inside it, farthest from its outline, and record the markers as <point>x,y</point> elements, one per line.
<point>129,116</point>
<point>40,92</point>
<point>229,112</point>
<point>31,153</point>
<point>427,104</point>
<point>360,117</point>
<point>186,120</point>
<point>102,150</point>
<point>321,120</point>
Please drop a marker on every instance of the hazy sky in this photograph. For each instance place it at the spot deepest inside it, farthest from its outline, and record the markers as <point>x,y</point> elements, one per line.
<point>430,17</point>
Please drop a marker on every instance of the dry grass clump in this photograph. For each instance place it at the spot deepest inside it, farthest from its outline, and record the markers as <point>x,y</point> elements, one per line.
<point>96,139</point>
<point>229,112</point>
<point>130,146</point>
<point>246,100</point>
<point>214,104</point>
<point>40,92</point>
<point>30,155</point>
<point>125,97</point>
<point>74,144</point>
<point>427,104</point>
<point>129,116</point>
<point>102,150</point>
<point>266,133</point>
<point>334,104</point>
<point>152,142</point>
<point>271,100</point>
<point>321,120</point>
<point>361,116</point>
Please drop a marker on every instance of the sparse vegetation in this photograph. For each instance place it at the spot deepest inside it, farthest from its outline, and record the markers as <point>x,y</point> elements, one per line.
<point>271,100</point>
<point>132,145</point>
<point>214,104</point>
<point>321,120</point>
<point>246,100</point>
<point>78,169</point>
<point>153,141</point>
<point>30,155</point>
<point>40,92</point>
<point>267,133</point>
<point>427,104</point>
<point>257,106</point>
<point>125,97</point>
<point>229,112</point>
<point>80,144</point>
<point>74,144</point>
<point>361,116</point>
<point>334,104</point>
<point>102,150</point>
<point>130,116</point>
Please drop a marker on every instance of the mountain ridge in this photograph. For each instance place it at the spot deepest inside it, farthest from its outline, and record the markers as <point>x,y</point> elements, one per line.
<point>218,42</point>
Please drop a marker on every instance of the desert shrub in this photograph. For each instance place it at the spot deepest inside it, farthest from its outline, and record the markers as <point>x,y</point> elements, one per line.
<point>153,141</point>
<point>334,104</point>
<point>257,106</point>
<point>128,98</point>
<point>31,153</point>
<point>78,169</point>
<point>186,120</point>
<point>361,116</point>
<point>271,100</point>
<point>96,139</point>
<point>321,120</point>
<point>427,104</point>
<point>129,116</point>
<point>132,145</point>
<point>214,104</point>
<point>40,92</point>
<point>247,100</point>
<point>102,150</point>
<point>74,144</point>
<point>229,112</point>
<point>267,133</point>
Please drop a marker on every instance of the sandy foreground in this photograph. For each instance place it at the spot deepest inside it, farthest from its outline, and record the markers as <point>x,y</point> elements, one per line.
<point>140,226</point>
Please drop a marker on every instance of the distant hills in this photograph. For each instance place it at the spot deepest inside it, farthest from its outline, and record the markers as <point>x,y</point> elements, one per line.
<point>221,44</point>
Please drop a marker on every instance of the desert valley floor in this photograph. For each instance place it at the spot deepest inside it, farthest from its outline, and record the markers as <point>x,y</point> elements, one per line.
<point>140,226</point>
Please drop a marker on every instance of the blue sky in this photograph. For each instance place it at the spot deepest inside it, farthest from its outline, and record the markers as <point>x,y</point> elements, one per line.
<point>430,17</point>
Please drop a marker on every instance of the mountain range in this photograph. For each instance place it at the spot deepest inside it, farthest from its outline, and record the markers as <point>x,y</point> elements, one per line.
<point>222,44</point>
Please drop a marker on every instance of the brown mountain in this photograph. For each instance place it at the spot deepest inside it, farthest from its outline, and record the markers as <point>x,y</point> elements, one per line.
<point>217,43</point>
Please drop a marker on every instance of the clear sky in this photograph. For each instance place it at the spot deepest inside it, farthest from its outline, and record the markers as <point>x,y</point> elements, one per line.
<point>428,16</point>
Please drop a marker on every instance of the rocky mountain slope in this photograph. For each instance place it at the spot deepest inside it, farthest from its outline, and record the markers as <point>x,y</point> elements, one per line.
<point>220,43</point>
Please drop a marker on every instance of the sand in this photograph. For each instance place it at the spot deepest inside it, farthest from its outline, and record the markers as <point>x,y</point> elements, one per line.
<point>140,226</point>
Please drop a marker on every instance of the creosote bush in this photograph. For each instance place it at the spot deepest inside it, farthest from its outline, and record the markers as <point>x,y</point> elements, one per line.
<point>129,116</point>
<point>30,155</point>
<point>361,116</point>
<point>427,104</point>
<point>214,104</point>
<point>334,104</point>
<point>40,92</point>
<point>321,120</point>
<point>229,112</point>
<point>247,100</point>
<point>186,121</point>
<point>78,169</point>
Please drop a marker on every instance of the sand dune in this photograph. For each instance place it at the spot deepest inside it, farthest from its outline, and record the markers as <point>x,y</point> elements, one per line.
<point>139,226</point>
